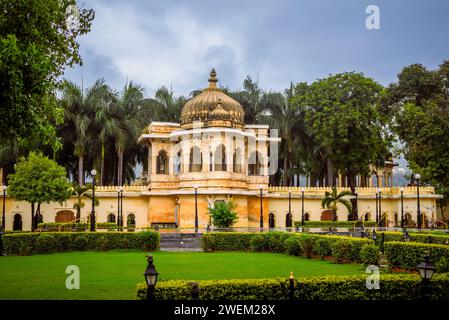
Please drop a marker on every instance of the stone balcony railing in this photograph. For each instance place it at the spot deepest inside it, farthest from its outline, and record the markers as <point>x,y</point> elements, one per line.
<point>360,190</point>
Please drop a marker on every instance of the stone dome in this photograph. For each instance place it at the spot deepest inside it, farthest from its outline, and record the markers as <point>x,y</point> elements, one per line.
<point>203,107</point>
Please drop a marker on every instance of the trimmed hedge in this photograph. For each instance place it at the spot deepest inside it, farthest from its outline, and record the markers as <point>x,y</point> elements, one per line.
<point>276,242</point>
<point>408,255</point>
<point>48,242</point>
<point>333,224</point>
<point>436,238</point>
<point>392,287</point>
<point>54,226</point>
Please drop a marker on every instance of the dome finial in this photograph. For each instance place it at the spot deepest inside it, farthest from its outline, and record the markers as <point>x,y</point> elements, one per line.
<point>213,80</point>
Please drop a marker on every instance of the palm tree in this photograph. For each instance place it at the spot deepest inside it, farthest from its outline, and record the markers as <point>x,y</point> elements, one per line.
<point>166,106</point>
<point>81,192</point>
<point>333,198</point>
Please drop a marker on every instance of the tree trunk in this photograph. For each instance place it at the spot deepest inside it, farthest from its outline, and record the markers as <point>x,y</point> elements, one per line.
<point>120,168</point>
<point>32,216</point>
<point>78,213</point>
<point>81,170</point>
<point>284,178</point>
<point>330,174</point>
<point>351,184</point>
<point>102,165</point>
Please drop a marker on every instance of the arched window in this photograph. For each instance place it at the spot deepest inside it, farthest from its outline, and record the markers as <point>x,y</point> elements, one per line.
<point>288,220</point>
<point>162,163</point>
<point>17,223</point>
<point>131,220</point>
<point>271,221</point>
<point>306,216</point>
<point>408,219</point>
<point>220,158</point>
<point>177,164</point>
<point>195,160</point>
<point>255,164</point>
<point>367,216</point>
<point>237,161</point>
<point>111,218</point>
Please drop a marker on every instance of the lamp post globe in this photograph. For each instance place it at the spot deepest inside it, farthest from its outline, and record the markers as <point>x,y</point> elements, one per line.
<point>374,235</point>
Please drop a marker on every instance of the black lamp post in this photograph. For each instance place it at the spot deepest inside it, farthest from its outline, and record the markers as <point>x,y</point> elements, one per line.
<point>120,207</point>
<point>196,208</point>
<point>374,235</point>
<point>418,207</point>
<point>402,207</point>
<point>380,204</point>
<point>261,208</point>
<point>426,270</point>
<point>92,214</point>
<point>150,277</point>
<point>377,207</point>
<point>406,236</point>
<point>356,206</point>
<point>289,203</point>
<point>302,206</point>
<point>4,209</point>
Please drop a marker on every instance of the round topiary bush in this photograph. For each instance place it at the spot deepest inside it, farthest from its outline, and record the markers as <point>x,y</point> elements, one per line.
<point>341,251</point>
<point>323,248</point>
<point>45,243</point>
<point>442,265</point>
<point>258,243</point>
<point>307,245</point>
<point>293,245</point>
<point>370,254</point>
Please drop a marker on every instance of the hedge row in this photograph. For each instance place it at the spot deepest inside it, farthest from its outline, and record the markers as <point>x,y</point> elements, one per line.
<point>408,254</point>
<point>414,237</point>
<point>48,242</point>
<point>280,242</point>
<point>333,224</point>
<point>54,226</point>
<point>392,287</point>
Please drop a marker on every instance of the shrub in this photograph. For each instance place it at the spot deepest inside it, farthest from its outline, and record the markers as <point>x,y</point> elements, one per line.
<point>307,244</point>
<point>227,241</point>
<point>223,214</point>
<point>394,287</point>
<point>46,242</point>
<point>333,224</point>
<point>293,245</point>
<point>258,243</point>
<point>370,254</point>
<point>409,254</point>
<point>442,265</point>
<point>341,251</point>
<point>428,236</point>
<point>323,248</point>
<point>275,241</point>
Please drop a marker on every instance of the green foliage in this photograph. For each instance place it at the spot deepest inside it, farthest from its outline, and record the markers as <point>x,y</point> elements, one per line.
<point>293,246</point>
<point>333,224</point>
<point>47,242</point>
<point>223,214</point>
<point>322,248</point>
<point>276,240</point>
<point>442,265</point>
<point>369,255</point>
<point>307,244</point>
<point>421,237</point>
<point>408,255</point>
<point>332,199</point>
<point>33,55</point>
<point>258,243</point>
<point>394,287</point>
<point>226,241</point>
<point>341,251</point>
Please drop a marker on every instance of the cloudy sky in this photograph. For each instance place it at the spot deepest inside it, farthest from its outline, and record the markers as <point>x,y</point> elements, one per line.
<point>175,43</point>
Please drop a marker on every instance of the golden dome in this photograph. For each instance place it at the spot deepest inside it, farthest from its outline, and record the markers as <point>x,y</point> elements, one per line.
<point>212,104</point>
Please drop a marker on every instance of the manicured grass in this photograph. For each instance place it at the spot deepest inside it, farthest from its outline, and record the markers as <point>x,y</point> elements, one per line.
<point>114,274</point>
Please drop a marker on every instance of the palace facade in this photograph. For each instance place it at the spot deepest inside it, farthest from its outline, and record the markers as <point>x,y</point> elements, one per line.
<point>212,156</point>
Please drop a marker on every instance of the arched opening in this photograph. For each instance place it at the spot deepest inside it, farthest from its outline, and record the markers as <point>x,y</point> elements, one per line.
<point>306,216</point>
<point>220,158</point>
<point>255,164</point>
<point>64,216</point>
<point>162,163</point>
<point>367,216</point>
<point>271,221</point>
<point>177,164</point>
<point>384,220</point>
<point>211,162</point>
<point>131,220</point>
<point>195,160</point>
<point>237,161</point>
<point>111,218</point>
<point>17,222</point>
<point>288,220</point>
<point>408,219</point>
<point>396,219</point>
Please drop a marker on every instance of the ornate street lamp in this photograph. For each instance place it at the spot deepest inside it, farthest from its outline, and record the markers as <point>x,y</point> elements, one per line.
<point>120,207</point>
<point>377,207</point>
<point>402,207</point>
<point>426,270</point>
<point>151,275</point>
<point>357,206</point>
<point>406,236</point>
<point>196,208</point>
<point>289,203</point>
<point>302,206</point>
<point>261,208</point>
<point>379,191</point>
<point>4,209</point>
<point>92,214</point>
<point>418,207</point>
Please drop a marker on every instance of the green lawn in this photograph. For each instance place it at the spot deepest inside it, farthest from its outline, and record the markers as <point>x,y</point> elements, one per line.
<point>114,274</point>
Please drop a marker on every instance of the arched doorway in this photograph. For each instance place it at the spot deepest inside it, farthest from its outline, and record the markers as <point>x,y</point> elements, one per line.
<point>306,216</point>
<point>17,223</point>
<point>111,218</point>
<point>367,216</point>
<point>271,221</point>
<point>64,216</point>
<point>408,219</point>
<point>131,220</point>
<point>288,220</point>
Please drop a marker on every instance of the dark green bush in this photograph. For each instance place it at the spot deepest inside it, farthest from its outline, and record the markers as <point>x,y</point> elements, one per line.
<point>341,251</point>
<point>227,241</point>
<point>275,240</point>
<point>307,245</point>
<point>369,255</point>
<point>435,237</point>
<point>409,254</point>
<point>333,224</point>
<point>292,245</point>
<point>322,248</point>
<point>442,265</point>
<point>394,287</point>
<point>46,242</point>
<point>258,243</point>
